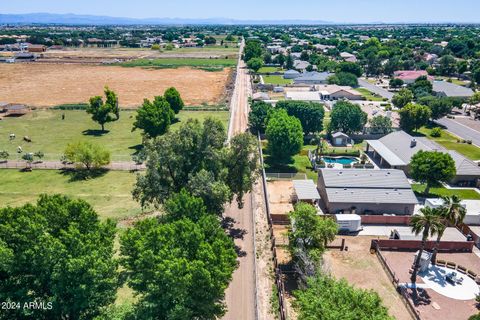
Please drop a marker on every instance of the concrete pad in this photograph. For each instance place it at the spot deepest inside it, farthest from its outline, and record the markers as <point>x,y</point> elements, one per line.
<point>434,278</point>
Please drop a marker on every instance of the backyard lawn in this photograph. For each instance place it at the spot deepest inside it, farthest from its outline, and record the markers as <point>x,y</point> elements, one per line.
<point>370,96</point>
<point>442,191</point>
<point>270,70</point>
<point>50,134</point>
<point>109,194</point>
<point>276,80</point>
<point>450,142</point>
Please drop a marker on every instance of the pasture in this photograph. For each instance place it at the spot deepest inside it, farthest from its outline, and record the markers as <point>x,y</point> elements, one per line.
<point>50,134</point>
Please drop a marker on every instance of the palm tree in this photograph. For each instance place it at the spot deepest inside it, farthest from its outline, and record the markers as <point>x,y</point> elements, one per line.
<point>452,212</point>
<point>428,223</point>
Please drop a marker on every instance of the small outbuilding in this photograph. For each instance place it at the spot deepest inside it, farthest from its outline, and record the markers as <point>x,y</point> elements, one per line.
<point>15,109</point>
<point>340,139</point>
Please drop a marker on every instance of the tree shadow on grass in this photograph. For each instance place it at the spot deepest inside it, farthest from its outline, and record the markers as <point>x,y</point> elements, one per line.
<point>137,148</point>
<point>283,166</point>
<point>94,132</point>
<point>83,174</point>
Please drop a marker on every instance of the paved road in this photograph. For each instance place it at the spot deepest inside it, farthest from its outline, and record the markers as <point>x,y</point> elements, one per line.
<point>240,295</point>
<point>460,130</point>
<point>375,89</point>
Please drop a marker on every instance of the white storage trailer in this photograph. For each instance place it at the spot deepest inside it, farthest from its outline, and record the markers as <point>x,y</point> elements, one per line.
<point>349,222</point>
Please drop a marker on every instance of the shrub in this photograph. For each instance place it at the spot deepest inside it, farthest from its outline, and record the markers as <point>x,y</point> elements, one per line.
<point>436,132</point>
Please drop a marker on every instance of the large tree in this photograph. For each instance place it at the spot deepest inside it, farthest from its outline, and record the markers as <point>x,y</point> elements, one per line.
<point>88,154</point>
<point>380,124</point>
<point>257,118</point>
<point>196,158</point>
<point>329,299</point>
<point>310,114</point>
<point>180,269</point>
<point>402,98</point>
<point>284,134</point>
<point>104,111</point>
<point>242,162</point>
<point>310,231</point>
<point>414,116</point>
<point>350,67</point>
<point>174,99</point>
<point>154,117</point>
<point>253,49</point>
<point>255,64</point>
<point>347,117</point>
<point>432,168</point>
<point>344,79</point>
<point>56,251</point>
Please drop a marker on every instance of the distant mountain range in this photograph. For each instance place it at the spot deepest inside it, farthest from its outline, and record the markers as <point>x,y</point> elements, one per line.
<point>74,19</point>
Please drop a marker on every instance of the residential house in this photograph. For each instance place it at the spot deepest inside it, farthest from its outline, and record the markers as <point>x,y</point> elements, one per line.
<point>291,74</point>
<point>448,89</point>
<point>360,191</point>
<point>409,76</point>
<point>301,65</point>
<point>396,149</point>
<point>335,92</point>
<point>348,57</point>
<point>313,77</point>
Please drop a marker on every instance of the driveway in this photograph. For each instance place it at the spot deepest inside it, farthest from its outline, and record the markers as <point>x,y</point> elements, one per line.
<point>375,89</point>
<point>460,130</point>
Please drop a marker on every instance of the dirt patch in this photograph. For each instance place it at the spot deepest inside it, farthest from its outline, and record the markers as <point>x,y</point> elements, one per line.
<point>280,195</point>
<point>46,85</point>
<point>363,270</point>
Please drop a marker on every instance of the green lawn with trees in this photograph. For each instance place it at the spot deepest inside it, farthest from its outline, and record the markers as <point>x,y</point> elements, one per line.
<point>451,142</point>
<point>368,95</point>
<point>109,194</point>
<point>50,134</point>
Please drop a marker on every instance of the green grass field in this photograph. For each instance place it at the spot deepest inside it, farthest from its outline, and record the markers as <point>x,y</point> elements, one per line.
<point>441,191</point>
<point>370,96</point>
<point>276,80</point>
<point>270,70</point>
<point>450,142</point>
<point>109,194</point>
<point>50,134</point>
<point>206,64</point>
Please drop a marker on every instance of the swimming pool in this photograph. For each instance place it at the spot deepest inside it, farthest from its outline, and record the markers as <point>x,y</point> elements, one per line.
<point>341,160</point>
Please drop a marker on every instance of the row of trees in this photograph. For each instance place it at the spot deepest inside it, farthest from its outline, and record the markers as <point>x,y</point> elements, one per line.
<point>153,117</point>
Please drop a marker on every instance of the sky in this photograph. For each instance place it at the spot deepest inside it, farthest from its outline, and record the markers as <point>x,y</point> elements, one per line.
<point>341,11</point>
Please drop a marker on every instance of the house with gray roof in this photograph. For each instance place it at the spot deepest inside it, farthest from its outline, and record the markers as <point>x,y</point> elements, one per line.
<point>448,89</point>
<point>396,149</point>
<point>359,191</point>
<point>311,78</point>
<point>291,74</point>
<point>301,65</point>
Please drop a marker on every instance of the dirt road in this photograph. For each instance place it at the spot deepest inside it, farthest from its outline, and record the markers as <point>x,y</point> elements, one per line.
<point>240,295</point>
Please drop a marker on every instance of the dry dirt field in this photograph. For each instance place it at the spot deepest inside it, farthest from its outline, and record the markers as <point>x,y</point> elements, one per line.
<point>46,85</point>
<point>279,195</point>
<point>363,270</point>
